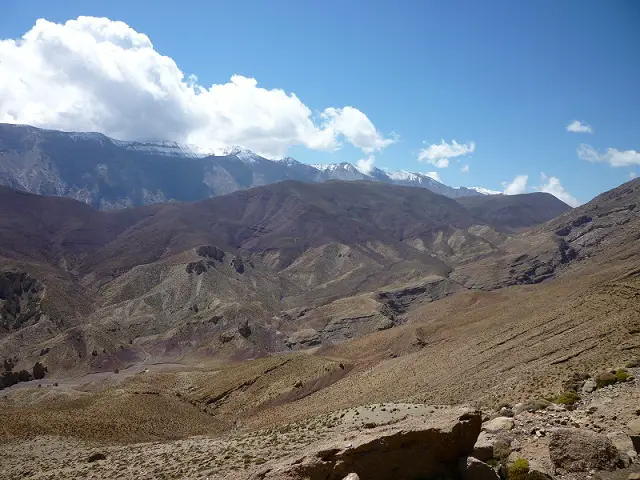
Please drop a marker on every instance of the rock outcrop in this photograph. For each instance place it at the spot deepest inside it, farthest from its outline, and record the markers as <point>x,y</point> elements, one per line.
<point>414,447</point>
<point>20,297</point>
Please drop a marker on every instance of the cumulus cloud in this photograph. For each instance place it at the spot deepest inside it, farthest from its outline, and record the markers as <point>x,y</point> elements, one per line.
<point>439,154</point>
<point>579,127</point>
<point>95,74</point>
<point>517,186</point>
<point>356,128</point>
<point>434,175</point>
<point>465,168</point>
<point>365,165</point>
<point>553,186</point>
<point>615,158</point>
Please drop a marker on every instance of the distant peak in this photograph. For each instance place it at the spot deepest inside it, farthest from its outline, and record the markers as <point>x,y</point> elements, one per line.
<point>241,153</point>
<point>288,161</point>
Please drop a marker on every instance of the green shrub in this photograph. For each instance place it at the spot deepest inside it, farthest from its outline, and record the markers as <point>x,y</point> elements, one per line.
<point>568,398</point>
<point>622,375</point>
<point>605,379</point>
<point>537,404</point>
<point>518,470</point>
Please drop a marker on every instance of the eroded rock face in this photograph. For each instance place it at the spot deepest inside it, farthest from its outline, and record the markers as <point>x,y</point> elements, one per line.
<point>416,447</point>
<point>20,297</point>
<point>304,338</point>
<point>580,450</point>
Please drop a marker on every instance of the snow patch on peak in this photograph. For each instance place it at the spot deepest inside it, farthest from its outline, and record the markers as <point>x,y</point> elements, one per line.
<point>485,191</point>
<point>241,153</point>
<point>167,148</point>
<point>75,136</point>
<point>288,161</point>
<point>404,176</point>
<point>332,167</point>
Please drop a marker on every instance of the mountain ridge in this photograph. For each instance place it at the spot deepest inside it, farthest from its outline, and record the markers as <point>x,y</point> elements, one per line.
<point>110,174</point>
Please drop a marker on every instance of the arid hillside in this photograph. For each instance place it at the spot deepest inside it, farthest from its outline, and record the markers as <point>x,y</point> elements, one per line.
<point>281,267</point>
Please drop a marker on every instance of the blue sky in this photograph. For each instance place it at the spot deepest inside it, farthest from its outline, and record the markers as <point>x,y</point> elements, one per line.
<point>507,77</point>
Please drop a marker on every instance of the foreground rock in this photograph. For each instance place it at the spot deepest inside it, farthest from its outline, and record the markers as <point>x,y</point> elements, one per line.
<point>579,450</point>
<point>473,469</point>
<point>498,424</point>
<point>414,447</point>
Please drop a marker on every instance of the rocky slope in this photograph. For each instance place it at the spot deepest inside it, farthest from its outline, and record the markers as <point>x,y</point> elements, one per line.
<point>110,174</point>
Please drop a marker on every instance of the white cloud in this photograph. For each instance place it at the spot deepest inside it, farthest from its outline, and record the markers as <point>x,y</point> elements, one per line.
<point>517,186</point>
<point>356,128</point>
<point>553,186</point>
<point>365,165</point>
<point>632,175</point>
<point>613,157</point>
<point>465,168</point>
<point>95,74</point>
<point>579,127</point>
<point>434,175</point>
<point>438,154</point>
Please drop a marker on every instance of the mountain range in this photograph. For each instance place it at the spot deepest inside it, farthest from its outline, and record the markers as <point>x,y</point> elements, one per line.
<point>272,268</point>
<point>109,174</point>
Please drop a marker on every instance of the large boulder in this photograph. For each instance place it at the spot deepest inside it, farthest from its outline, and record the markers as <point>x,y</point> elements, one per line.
<point>580,450</point>
<point>625,447</point>
<point>498,424</point>
<point>483,449</point>
<point>415,447</point>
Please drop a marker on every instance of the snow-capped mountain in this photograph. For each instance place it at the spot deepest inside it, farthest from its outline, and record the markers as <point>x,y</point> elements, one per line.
<point>486,191</point>
<point>241,153</point>
<point>108,173</point>
<point>342,171</point>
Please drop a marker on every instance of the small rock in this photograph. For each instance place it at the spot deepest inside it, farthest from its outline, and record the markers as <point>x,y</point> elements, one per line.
<point>537,472</point>
<point>94,457</point>
<point>352,476</point>
<point>634,425</point>
<point>498,424</point>
<point>506,412</point>
<point>473,469</point>
<point>588,387</point>
<point>634,476</point>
